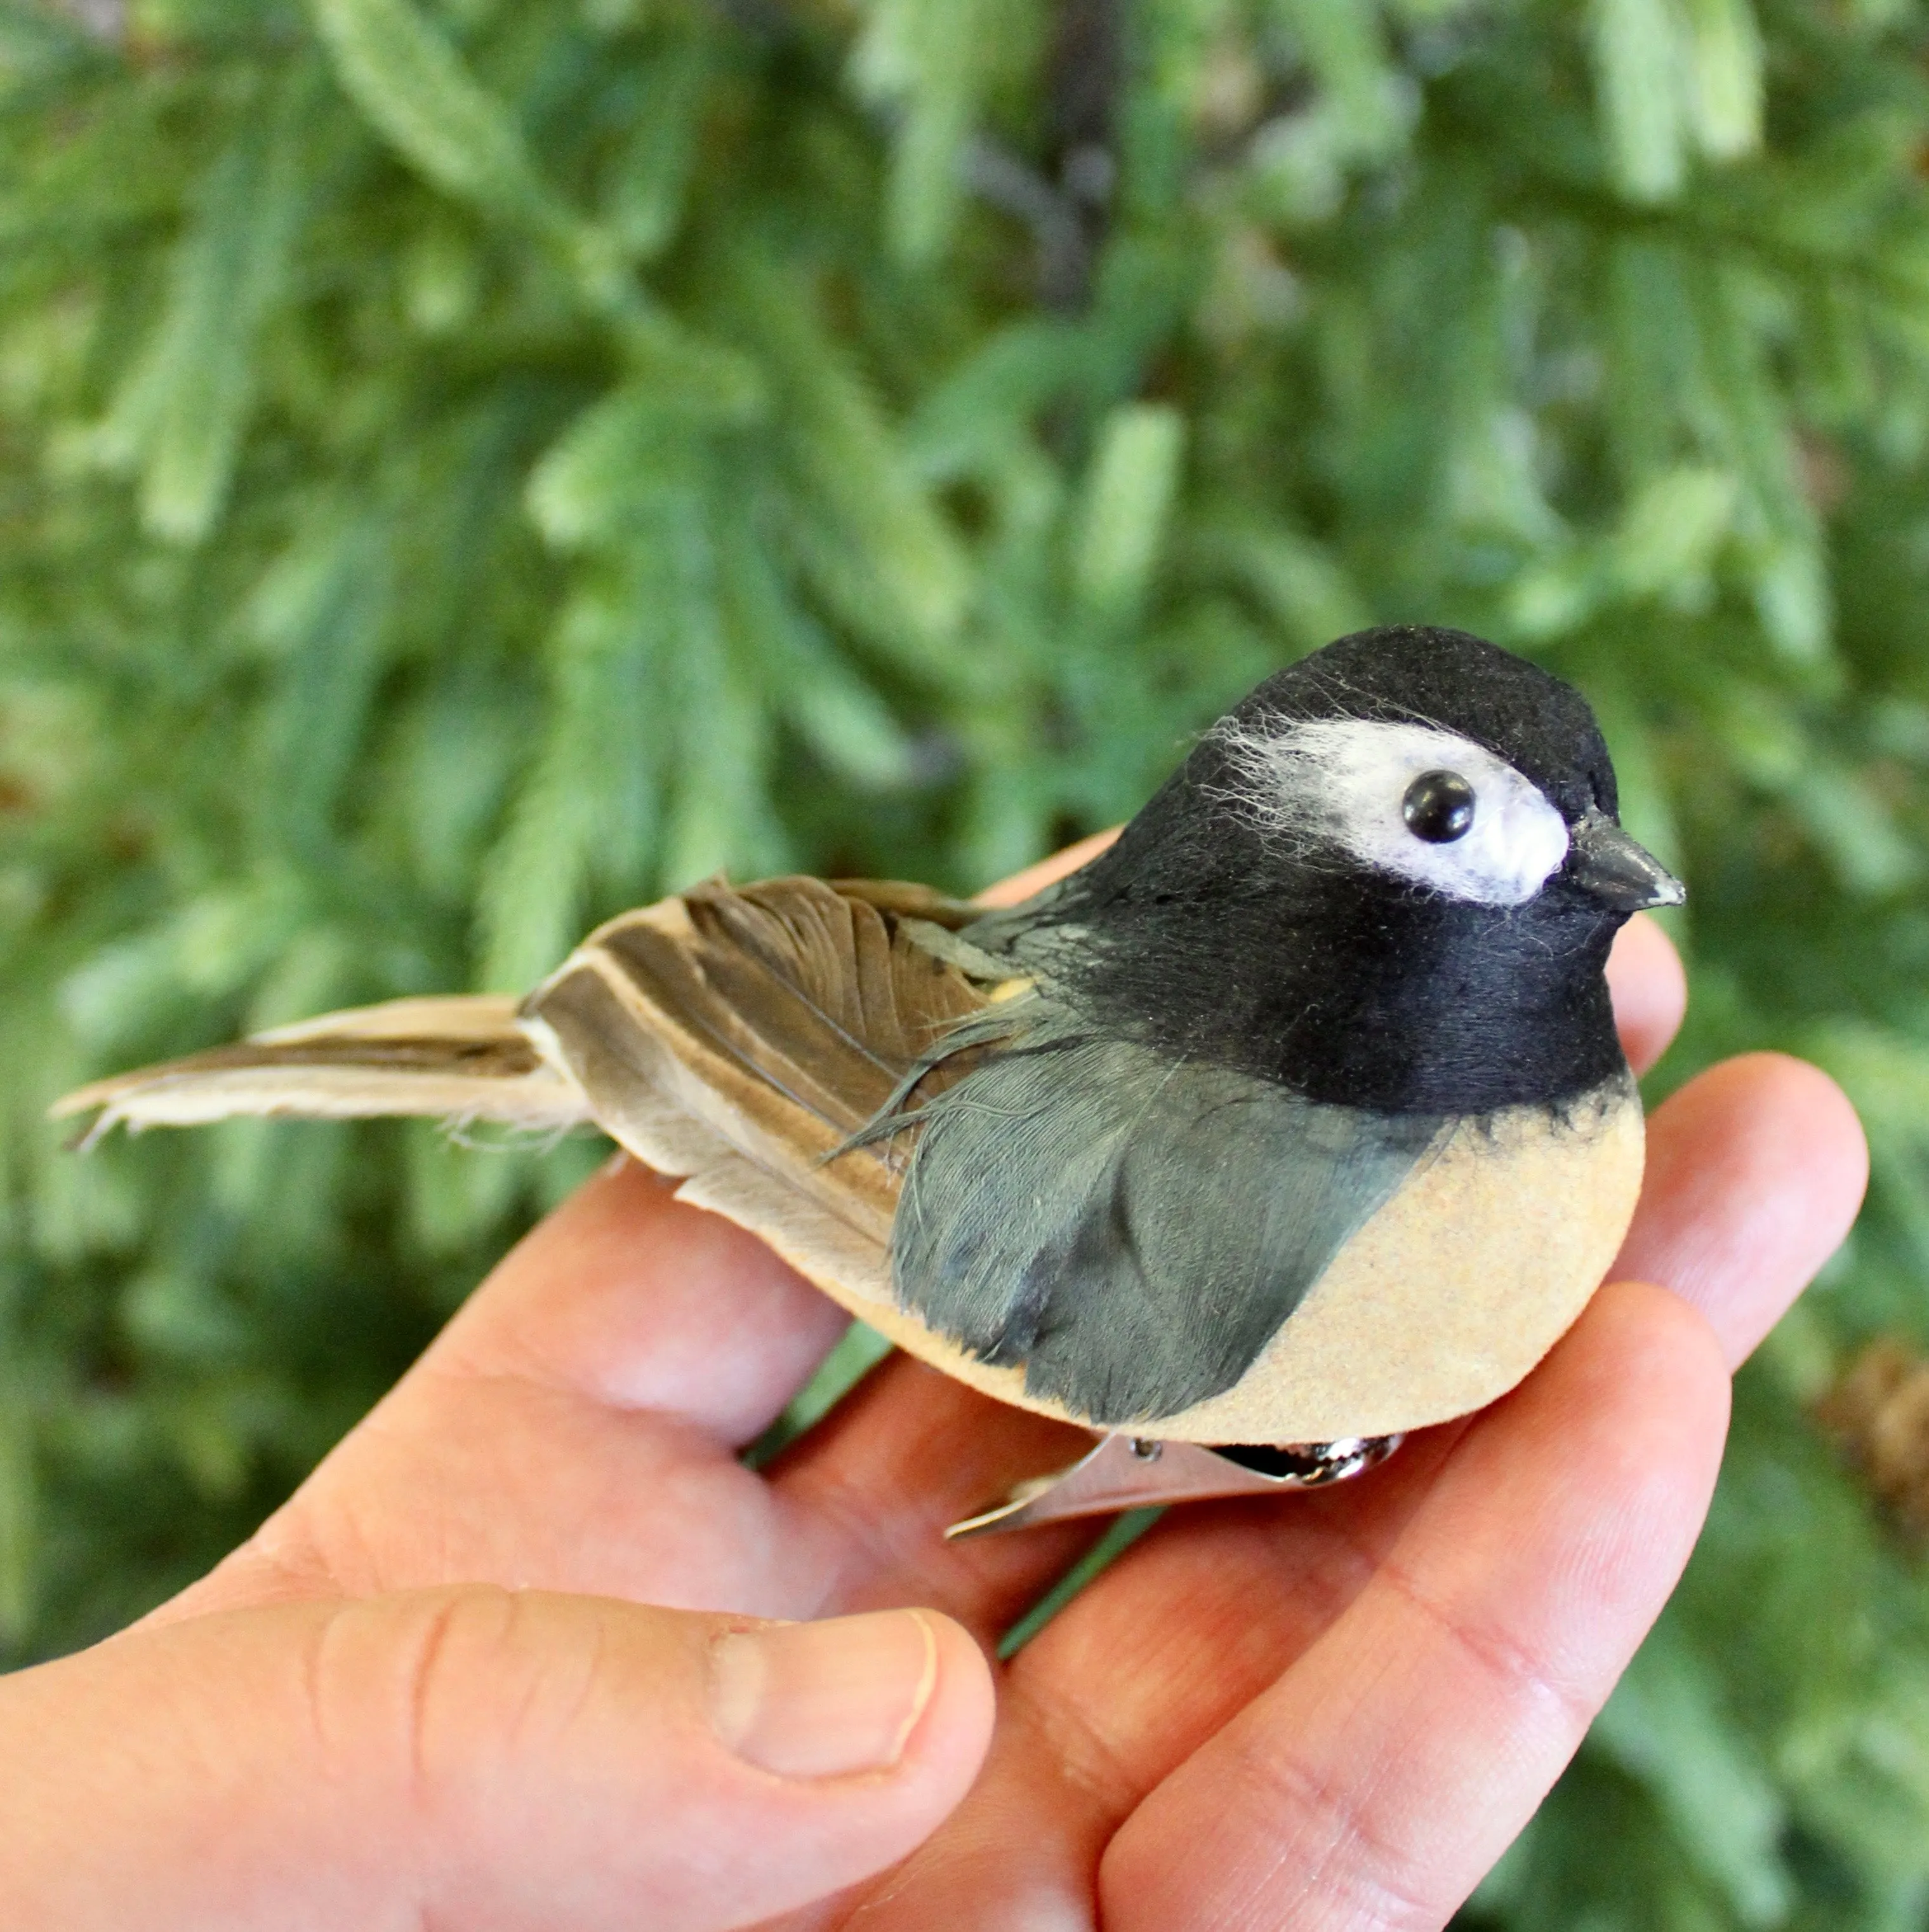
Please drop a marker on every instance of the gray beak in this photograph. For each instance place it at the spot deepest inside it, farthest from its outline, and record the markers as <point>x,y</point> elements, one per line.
<point>1602,859</point>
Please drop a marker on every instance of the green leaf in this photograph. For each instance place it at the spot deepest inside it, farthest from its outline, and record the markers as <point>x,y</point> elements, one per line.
<point>442,281</point>
<point>1724,49</point>
<point>586,812</point>
<point>1665,1724</point>
<point>456,1191</point>
<point>639,442</point>
<point>1367,107</point>
<point>1853,827</point>
<point>619,457</point>
<point>329,607</point>
<point>1671,530</point>
<point>181,412</point>
<point>1792,598</point>
<point>1127,501</point>
<point>1637,87</point>
<point>845,722</point>
<point>414,89</point>
<point>967,420</point>
<point>213,946</point>
<point>645,188</point>
<point>852,472</point>
<point>1886,1072</point>
<point>925,59</point>
<point>1300,584</point>
<point>716,823</point>
<point>19,1513</point>
<point>38,46</point>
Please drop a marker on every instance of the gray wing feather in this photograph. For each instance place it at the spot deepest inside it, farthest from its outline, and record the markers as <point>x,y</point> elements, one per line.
<point>1131,1228</point>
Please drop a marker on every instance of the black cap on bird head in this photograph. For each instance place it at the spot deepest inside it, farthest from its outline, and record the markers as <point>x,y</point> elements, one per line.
<point>1388,878</point>
<point>1407,674</point>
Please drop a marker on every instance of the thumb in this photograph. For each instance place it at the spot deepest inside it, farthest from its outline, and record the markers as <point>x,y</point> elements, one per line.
<point>478,1757</point>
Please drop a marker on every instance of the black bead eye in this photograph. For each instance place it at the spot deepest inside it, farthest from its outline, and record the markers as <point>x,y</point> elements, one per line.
<point>1438,807</point>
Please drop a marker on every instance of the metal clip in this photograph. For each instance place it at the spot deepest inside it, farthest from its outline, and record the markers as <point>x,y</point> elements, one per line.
<point>1122,1472</point>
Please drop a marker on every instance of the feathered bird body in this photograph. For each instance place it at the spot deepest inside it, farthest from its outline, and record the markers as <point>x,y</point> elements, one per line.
<point>1278,1124</point>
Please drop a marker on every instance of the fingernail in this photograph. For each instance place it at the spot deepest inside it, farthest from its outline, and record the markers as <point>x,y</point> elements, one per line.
<point>824,1699</point>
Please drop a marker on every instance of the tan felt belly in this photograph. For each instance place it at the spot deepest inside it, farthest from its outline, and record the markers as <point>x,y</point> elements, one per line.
<point>1442,1303</point>
<point>1449,1295</point>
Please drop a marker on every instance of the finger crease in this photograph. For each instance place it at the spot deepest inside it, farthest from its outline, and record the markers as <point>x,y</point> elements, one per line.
<point>1352,1861</point>
<point>422,1668</point>
<point>838,1508</point>
<point>1084,1756</point>
<point>1496,1654</point>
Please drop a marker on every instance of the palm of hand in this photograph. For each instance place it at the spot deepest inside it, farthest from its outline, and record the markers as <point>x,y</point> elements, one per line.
<point>1334,1710</point>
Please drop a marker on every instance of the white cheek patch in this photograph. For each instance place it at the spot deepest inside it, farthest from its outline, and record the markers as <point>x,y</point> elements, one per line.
<point>1342,782</point>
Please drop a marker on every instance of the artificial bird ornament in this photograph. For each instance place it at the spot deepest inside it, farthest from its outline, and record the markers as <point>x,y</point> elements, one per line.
<point>1295,1120</point>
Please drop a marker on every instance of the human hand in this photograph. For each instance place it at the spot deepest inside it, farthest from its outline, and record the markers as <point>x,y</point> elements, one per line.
<point>1331,1710</point>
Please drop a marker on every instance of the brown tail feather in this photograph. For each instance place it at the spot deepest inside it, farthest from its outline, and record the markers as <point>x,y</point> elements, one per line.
<point>733,1040</point>
<point>461,1058</point>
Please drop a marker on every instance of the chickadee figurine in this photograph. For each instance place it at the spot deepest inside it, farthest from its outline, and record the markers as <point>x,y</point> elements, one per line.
<point>1295,1120</point>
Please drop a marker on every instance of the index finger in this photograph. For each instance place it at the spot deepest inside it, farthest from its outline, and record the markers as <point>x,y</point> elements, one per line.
<point>1375,1782</point>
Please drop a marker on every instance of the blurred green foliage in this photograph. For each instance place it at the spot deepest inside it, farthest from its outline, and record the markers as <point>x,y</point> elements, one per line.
<point>466,468</point>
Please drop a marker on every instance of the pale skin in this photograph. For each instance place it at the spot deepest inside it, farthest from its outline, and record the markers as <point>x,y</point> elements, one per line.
<point>496,1666</point>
